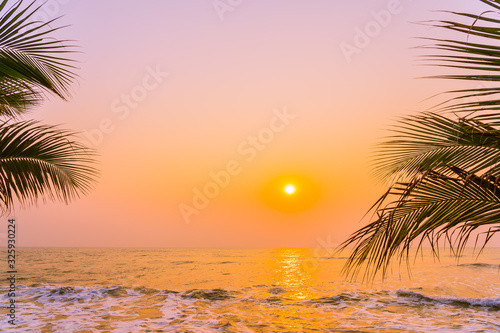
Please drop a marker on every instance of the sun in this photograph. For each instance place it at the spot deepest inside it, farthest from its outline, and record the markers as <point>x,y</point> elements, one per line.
<point>290,189</point>
<point>290,193</point>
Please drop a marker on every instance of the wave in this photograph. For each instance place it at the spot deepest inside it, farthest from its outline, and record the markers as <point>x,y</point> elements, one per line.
<point>182,262</point>
<point>258,308</point>
<point>405,298</point>
<point>489,302</point>
<point>46,293</point>
<point>480,265</point>
<point>65,294</point>
<point>336,299</point>
<point>210,294</point>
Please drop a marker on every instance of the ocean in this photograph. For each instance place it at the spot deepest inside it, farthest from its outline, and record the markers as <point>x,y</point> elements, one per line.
<point>245,290</point>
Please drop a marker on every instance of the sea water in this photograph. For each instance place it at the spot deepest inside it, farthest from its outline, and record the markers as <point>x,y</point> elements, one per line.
<point>245,290</point>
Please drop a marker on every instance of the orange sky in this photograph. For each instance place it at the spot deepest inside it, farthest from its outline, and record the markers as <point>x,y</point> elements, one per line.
<point>178,95</point>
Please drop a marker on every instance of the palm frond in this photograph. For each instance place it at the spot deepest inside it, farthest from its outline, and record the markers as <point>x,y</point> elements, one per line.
<point>430,141</point>
<point>31,59</point>
<point>444,166</point>
<point>474,56</point>
<point>432,207</point>
<point>38,161</point>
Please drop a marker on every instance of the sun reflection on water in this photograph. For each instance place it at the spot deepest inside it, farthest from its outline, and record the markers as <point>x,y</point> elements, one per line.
<point>290,271</point>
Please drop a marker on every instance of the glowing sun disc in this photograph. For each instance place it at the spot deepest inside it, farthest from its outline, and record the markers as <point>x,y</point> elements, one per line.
<point>290,189</point>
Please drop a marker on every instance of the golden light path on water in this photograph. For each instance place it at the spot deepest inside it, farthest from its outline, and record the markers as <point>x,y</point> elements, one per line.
<point>291,273</point>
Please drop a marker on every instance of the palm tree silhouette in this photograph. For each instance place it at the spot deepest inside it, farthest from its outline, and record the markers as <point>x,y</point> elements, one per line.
<point>442,165</point>
<point>36,161</point>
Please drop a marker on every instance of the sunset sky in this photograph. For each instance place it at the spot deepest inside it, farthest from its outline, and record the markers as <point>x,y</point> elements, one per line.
<point>202,111</point>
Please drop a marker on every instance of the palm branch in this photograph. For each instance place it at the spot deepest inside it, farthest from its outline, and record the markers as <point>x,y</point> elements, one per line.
<point>32,61</point>
<point>39,161</point>
<point>443,165</point>
<point>36,161</point>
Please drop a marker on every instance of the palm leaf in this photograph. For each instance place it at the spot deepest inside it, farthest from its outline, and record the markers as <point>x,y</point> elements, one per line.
<point>32,61</point>
<point>432,207</point>
<point>432,141</point>
<point>443,167</point>
<point>38,161</point>
<point>474,56</point>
